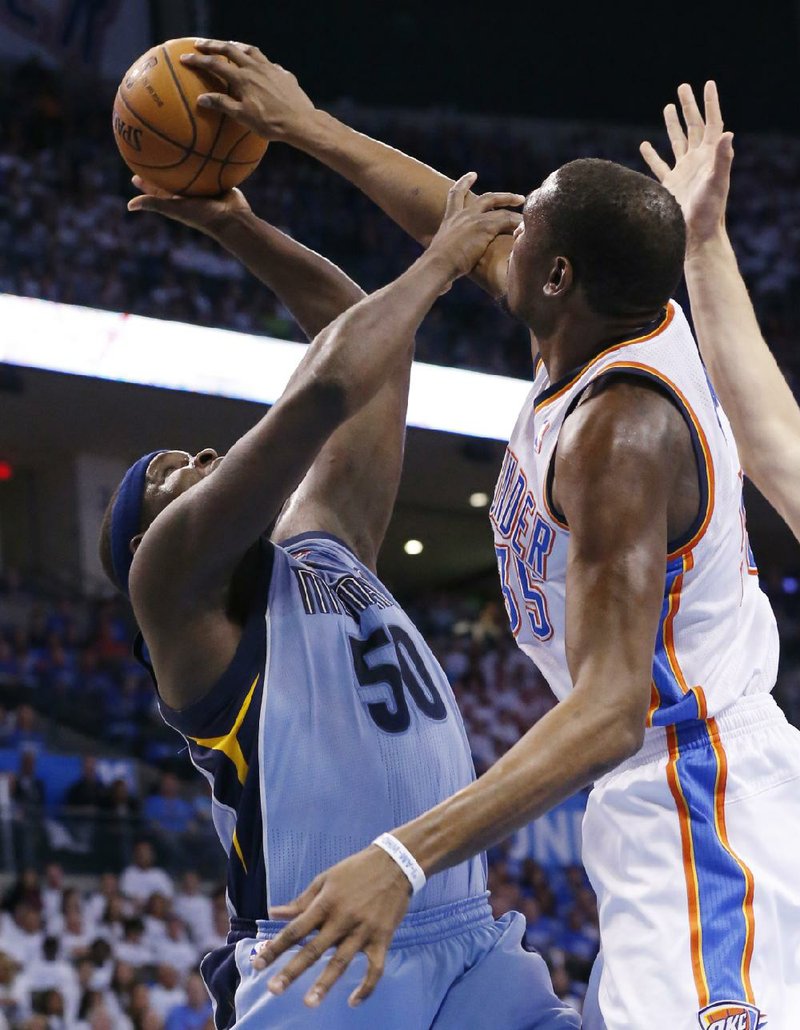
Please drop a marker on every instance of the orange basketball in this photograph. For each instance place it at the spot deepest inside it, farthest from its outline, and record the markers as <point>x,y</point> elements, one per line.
<point>167,139</point>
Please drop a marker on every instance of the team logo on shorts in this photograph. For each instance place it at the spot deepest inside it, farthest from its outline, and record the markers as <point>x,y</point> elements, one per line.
<point>730,1015</point>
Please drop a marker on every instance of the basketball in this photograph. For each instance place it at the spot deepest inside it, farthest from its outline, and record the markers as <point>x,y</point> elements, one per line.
<point>163,135</point>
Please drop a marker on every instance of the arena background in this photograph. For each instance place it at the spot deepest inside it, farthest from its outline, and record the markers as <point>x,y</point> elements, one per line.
<point>86,767</point>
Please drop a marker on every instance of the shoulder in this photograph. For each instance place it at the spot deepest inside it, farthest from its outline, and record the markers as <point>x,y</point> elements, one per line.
<point>618,419</point>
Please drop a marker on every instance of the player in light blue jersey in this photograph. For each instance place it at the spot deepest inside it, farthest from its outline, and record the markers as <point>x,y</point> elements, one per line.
<point>306,696</point>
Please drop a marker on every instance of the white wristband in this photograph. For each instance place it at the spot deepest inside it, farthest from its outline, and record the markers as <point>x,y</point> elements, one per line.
<point>403,857</point>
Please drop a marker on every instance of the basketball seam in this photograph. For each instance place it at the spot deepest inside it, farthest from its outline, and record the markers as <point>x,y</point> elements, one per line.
<point>182,95</point>
<point>207,158</point>
<point>226,162</point>
<point>187,152</point>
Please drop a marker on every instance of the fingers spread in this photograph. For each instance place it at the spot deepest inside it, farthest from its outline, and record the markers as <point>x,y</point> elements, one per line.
<point>311,952</point>
<point>289,936</point>
<point>299,904</point>
<point>376,958</point>
<point>677,137</point>
<point>338,963</point>
<point>657,165</point>
<point>695,126</point>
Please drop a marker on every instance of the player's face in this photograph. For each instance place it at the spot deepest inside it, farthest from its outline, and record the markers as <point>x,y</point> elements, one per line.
<point>538,279</point>
<point>527,271</point>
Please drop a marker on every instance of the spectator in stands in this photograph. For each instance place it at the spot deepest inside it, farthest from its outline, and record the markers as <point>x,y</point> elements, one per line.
<point>167,994</point>
<point>21,933</point>
<point>142,877</point>
<point>74,932</point>
<point>88,793</point>
<point>52,891</point>
<point>133,949</point>
<point>51,970</point>
<point>84,800</point>
<point>97,902</point>
<point>166,811</point>
<point>26,736</point>
<point>119,823</point>
<point>176,948</point>
<point>194,1015</point>
<point>26,888</point>
<point>28,789</point>
<point>194,908</point>
<point>14,999</point>
<point>141,1010</point>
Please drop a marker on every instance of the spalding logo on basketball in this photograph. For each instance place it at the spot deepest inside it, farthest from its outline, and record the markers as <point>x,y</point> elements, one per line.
<point>730,1015</point>
<point>163,135</point>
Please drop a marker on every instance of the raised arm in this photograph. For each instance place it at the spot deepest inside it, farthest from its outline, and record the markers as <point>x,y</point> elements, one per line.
<point>268,99</point>
<point>613,487</point>
<point>352,484</point>
<point>754,393</point>
<point>186,558</point>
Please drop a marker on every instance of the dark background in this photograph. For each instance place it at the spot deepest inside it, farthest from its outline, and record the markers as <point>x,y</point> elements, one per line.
<point>605,61</point>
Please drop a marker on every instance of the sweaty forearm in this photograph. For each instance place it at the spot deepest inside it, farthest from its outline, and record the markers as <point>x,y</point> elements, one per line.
<point>314,289</point>
<point>566,750</point>
<point>754,393</point>
<point>411,193</point>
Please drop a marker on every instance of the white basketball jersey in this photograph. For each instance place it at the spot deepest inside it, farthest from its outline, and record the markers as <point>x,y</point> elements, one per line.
<point>717,638</point>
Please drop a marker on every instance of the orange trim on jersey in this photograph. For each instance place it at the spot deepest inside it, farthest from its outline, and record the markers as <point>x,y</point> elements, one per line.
<point>668,631</point>
<point>722,833</point>
<point>655,703</point>
<point>689,869</point>
<point>665,323</point>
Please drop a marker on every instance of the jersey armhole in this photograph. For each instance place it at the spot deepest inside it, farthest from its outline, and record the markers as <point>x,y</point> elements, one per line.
<point>702,457</point>
<point>211,713</point>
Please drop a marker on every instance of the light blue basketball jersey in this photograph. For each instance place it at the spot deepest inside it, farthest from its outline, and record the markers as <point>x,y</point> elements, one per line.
<point>333,723</point>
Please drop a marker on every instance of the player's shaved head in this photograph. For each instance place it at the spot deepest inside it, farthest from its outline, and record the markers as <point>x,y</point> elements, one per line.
<point>622,232</point>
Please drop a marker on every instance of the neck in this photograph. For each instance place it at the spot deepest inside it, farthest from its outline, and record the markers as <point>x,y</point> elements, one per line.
<point>578,340</point>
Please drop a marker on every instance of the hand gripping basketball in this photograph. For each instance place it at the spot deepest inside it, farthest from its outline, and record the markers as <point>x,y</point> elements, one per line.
<point>259,94</point>
<point>171,142</point>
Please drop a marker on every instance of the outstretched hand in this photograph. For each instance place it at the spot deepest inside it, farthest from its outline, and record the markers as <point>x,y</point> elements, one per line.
<point>355,906</point>
<point>207,214</point>
<point>700,177</point>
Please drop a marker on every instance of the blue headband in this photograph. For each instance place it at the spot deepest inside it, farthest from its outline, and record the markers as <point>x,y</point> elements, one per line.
<point>126,518</point>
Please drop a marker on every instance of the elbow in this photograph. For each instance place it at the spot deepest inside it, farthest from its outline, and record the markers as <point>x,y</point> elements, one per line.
<point>621,739</point>
<point>329,394</point>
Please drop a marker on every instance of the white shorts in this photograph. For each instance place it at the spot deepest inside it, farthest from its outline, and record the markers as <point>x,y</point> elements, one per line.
<point>692,848</point>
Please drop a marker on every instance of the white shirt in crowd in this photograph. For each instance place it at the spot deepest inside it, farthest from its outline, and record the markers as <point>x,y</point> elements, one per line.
<point>139,884</point>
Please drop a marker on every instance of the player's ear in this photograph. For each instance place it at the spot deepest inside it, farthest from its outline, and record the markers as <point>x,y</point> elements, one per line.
<point>560,278</point>
<point>135,541</point>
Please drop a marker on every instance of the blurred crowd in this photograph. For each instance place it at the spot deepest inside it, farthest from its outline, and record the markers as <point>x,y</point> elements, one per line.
<point>119,953</point>
<point>65,234</point>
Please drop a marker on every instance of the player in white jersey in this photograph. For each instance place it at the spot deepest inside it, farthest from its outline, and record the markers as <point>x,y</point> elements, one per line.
<point>628,578</point>
<point>304,693</point>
